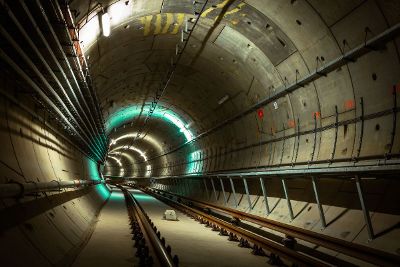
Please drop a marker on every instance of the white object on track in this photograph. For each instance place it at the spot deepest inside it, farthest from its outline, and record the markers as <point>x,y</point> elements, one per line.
<point>170,215</point>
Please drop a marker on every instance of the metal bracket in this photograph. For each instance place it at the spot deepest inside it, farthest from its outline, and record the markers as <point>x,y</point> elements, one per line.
<point>336,132</point>
<point>393,133</point>
<point>298,142</point>
<point>362,128</point>
<point>315,138</point>
<point>283,145</point>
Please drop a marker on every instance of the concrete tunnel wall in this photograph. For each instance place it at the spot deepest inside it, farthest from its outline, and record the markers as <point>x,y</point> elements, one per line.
<point>313,34</point>
<point>303,35</point>
<point>44,229</point>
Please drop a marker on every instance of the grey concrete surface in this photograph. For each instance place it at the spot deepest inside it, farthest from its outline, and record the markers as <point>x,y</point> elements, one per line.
<point>111,242</point>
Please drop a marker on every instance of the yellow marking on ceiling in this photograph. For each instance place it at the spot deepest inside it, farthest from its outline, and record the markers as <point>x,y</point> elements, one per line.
<point>170,20</point>
<point>208,10</point>
<point>146,21</point>
<point>235,10</point>
<point>178,22</point>
<point>161,23</point>
<point>157,29</point>
<point>221,5</point>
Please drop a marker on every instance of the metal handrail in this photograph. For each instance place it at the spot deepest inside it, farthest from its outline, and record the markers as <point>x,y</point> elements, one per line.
<point>361,252</point>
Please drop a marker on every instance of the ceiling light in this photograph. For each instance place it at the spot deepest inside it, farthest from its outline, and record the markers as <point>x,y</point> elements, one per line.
<point>105,24</point>
<point>223,99</point>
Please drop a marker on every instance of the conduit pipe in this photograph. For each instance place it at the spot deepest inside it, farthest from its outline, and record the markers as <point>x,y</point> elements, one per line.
<point>15,189</point>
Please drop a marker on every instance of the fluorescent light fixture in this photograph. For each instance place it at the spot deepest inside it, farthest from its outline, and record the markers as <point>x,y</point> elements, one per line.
<point>187,126</point>
<point>106,24</point>
<point>148,171</point>
<point>117,160</point>
<point>223,99</point>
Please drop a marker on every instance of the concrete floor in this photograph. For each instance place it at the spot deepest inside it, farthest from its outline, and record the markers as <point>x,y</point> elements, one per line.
<point>193,243</point>
<point>110,243</point>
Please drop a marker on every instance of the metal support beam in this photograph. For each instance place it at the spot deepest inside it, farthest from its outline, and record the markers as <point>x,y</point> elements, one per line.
<point>364,208</point>
<point>213,186</point>
<point>186,187</point>
<point>205,186</point>
<point>265,196</point>
<point>233,192</point>
<point>287,199</point>
<point>320,208</point>
<point>179,186</point>
<point>247,192</point>
<point>223,191</point>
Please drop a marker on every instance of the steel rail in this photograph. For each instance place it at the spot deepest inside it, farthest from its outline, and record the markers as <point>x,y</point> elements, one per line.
<point>345,58</point>
<point>358,251</point>
<point>273,247</point>
<point>163,256</point>
<point>17,190</point>
<point>46,99</point>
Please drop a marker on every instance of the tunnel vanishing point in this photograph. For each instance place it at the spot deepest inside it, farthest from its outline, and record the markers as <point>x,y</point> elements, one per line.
<point>271,128</point>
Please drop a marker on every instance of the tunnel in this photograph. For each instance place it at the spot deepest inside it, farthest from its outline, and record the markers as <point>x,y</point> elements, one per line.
<point>199,133</point>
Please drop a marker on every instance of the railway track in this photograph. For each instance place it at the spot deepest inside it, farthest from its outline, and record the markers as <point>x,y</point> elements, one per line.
<point>192,207</point>
<point>151,248</point>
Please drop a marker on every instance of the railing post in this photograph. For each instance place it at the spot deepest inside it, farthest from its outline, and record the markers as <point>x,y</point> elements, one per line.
<point>233,192</point>
<point>223,191</point>
<point>287,199</point>
<point>265,196</point>
<point>247,192</point>
<point>364,208</point>
<point>187,186</point>
<point>213,186</point>
<point>320,208</point>
<point>205,186</point>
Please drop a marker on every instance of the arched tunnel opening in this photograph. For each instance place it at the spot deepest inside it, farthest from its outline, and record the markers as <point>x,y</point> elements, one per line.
<point>194,133</point>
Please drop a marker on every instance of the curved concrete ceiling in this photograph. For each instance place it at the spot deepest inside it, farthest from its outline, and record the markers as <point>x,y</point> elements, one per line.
<point>285,109</point>
<point>239,53</point>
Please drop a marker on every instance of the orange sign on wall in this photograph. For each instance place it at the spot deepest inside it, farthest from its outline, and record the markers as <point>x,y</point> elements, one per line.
<point>349,104</point>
